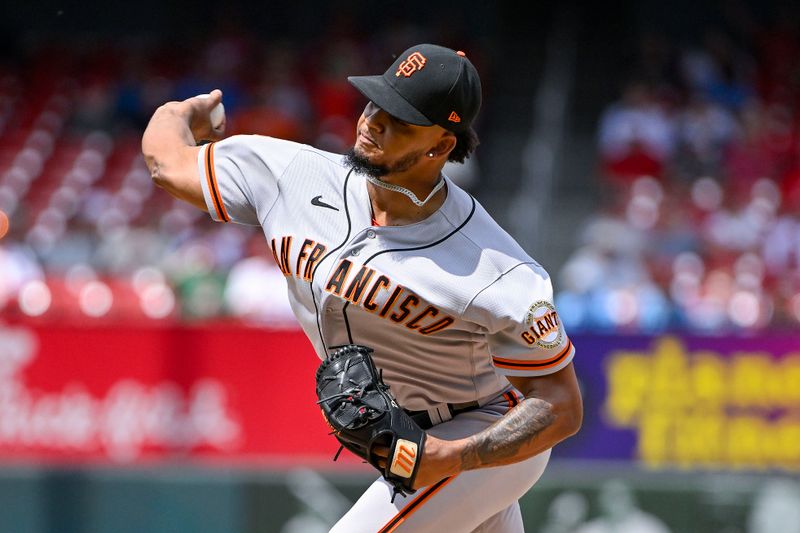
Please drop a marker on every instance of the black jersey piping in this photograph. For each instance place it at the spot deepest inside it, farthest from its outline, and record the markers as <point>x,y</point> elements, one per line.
<point>324,257</point>
<point>412,249</point>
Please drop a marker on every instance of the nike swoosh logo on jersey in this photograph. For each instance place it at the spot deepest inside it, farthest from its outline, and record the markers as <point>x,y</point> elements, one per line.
<point>317,201</point>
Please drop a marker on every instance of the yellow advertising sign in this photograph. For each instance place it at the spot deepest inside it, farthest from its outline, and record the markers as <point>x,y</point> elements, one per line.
<point>703,409</point>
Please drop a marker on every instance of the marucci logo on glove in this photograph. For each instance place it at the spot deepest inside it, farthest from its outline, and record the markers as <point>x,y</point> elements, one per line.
<point>405,457</point>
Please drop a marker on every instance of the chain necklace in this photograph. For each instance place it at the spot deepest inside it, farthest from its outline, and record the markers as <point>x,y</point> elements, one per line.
<point>411,196</point>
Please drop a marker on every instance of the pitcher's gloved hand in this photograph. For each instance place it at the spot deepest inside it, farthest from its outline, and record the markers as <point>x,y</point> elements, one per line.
<point>364,415</point>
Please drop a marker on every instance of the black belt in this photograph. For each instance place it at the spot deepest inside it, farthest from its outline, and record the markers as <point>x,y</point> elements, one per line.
<point>423,419</point>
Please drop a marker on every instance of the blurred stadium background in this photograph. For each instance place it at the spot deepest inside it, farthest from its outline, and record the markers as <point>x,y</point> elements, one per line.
<point>646,153</point>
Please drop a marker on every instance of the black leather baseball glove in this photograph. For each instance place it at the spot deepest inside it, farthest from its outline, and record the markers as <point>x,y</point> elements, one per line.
<point>363,414</point>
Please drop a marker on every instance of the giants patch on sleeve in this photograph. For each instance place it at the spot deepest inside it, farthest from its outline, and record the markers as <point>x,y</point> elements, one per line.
<point>544,328</point>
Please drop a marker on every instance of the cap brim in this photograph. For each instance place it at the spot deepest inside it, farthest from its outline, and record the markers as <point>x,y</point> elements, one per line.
<point>384,96</point>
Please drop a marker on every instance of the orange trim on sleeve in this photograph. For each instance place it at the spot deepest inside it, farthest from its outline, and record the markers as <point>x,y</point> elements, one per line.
<point>505,395</point>
<point>511,398</point>
<point>516,364</point>
<point>213,188</point>
<point>415,504</point>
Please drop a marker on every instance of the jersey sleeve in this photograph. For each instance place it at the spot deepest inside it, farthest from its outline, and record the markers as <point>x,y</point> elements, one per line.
<point>524,333</point>
<point>240,176</point>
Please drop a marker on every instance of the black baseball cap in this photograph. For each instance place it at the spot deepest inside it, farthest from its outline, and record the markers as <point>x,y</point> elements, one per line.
<point>427,85</point>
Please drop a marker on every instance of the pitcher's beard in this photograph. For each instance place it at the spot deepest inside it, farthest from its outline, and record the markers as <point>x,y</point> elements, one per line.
<point>362,165</point>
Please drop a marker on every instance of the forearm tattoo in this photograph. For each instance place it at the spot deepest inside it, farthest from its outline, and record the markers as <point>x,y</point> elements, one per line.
<point>503,440</point>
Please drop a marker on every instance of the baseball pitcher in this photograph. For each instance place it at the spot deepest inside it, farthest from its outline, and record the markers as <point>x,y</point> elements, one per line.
<point>444,362</point>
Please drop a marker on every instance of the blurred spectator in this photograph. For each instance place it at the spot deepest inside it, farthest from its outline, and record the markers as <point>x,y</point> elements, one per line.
<point>704,131</point>
<point>336,103</point>
<point>781,246</point>
<point>256,289</point>
<point>620,513</point>
<point>721,70</point>
<point>566,513</point>
<point>18,266</point>
<point>606,284</point>
<point>635,137</point>
<point>218,66</point>
<point>750,157</point>
<point>776,508</point>
<point>280,106</point>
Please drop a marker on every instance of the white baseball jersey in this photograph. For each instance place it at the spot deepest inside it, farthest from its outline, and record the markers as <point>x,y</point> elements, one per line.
<point>449,304</point>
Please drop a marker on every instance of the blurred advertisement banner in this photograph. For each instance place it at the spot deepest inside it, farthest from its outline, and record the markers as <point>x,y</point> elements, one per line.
<point>127,394</point>
<point>690,402</point>
<point>223,392</point>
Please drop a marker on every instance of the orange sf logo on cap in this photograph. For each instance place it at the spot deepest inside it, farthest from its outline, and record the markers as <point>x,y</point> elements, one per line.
<point>412,63</point>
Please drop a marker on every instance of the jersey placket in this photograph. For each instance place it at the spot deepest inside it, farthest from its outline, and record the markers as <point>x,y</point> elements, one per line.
<point>331,297</point>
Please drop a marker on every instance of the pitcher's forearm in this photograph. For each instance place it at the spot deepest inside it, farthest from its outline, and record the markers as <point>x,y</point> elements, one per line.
<point>167,133</point>
<point>530,428</point>
<point>170,154</point>
<point>525,431</point>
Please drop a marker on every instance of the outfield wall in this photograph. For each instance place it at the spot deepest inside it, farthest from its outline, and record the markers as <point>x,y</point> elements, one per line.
<point>215,428</point>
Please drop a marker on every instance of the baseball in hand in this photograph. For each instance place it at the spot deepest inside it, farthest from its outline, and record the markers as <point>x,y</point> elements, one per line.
<point>217,114</point>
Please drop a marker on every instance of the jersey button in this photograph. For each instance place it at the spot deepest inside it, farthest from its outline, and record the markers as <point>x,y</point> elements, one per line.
<point>371,234</point>
<point>354,252</point>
